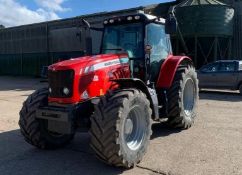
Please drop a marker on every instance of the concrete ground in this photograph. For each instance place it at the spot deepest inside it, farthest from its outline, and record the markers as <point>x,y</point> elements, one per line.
<point>212,146</point>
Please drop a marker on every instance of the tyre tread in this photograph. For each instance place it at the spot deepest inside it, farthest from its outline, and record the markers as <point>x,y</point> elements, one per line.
<point>105,143</point>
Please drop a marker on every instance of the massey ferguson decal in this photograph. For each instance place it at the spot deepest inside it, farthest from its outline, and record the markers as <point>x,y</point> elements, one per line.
<point>106,64</point>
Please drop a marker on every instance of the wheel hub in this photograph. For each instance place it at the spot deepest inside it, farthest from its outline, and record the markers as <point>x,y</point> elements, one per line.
<point>134,128</point>
<point>128,126</point>
<point>189,96</point>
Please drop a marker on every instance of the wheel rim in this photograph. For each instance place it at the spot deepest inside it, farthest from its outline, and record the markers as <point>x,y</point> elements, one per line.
<point>134,128</point>
<point>189,96</point>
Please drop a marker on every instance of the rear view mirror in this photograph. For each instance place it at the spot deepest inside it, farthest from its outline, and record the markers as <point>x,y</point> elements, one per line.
<point>148,48</point>
<point>171,25</point>
<point>85,38</point>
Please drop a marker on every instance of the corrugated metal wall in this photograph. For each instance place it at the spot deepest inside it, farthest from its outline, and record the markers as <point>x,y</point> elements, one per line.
<point>237,39</point>
<point>24,50</point>
<point>23,39</point>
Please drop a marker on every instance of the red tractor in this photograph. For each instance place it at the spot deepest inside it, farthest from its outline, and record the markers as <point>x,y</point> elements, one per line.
<point>117,94</point>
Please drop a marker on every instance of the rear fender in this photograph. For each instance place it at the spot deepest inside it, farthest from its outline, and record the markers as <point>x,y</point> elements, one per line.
<point>168,70</point>
<point>139,84</point>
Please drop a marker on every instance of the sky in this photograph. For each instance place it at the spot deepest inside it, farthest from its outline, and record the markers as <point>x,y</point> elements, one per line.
<point>20,12</point>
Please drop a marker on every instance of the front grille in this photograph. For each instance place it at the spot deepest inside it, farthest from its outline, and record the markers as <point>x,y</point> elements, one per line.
<point>58,80</point>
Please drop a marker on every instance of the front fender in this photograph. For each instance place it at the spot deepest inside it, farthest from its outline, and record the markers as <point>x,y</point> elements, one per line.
<point>168,70</point>
<point>140,85</point>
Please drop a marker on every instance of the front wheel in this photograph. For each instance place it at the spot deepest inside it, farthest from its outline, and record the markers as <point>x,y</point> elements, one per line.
<point>183,98</point>
<point>34,130</point>
<point>121,127</point>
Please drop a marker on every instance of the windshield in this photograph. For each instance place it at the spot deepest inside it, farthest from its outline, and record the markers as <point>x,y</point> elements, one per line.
<point>127,38</point>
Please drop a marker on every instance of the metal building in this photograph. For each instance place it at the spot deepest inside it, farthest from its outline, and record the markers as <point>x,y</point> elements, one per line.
<point>211,29</point>
<point>24,50</point>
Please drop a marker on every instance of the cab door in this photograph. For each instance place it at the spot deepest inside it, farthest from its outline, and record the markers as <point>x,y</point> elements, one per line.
<point>161,47</point>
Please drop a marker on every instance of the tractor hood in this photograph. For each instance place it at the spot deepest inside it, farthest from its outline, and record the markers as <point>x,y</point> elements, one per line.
<point>83,62</point>
<point>85,77</point>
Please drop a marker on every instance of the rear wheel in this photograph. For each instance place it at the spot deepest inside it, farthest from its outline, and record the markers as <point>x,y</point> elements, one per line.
<point>121,128</point>
<point>183,97</point>
<point>35,130</point>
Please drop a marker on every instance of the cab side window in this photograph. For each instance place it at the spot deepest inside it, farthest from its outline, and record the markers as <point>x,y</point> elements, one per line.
<point>161,48</point>
<point>158,39</point>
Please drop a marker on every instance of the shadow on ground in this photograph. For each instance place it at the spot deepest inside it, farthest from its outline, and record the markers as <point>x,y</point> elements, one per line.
<point>163,130</point>
<point>17,157</point>
<point>220,96</point>
<point>20,83</point>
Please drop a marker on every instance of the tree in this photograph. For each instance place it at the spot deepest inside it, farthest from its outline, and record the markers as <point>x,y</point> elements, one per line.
<point>2,26</point>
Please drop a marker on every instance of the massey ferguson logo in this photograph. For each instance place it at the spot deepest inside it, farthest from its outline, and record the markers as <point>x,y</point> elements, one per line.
<point>105,64</point>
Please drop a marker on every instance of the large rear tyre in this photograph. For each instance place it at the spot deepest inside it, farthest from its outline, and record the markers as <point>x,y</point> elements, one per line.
<point>121,128</point>
<point>35,130</point>
<point>183,98</point>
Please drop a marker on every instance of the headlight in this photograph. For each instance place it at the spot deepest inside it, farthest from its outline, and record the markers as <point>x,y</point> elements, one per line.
<point>129,18</point>
<point>50,90</point>
<point>66,91</point>
<point>137,17</point>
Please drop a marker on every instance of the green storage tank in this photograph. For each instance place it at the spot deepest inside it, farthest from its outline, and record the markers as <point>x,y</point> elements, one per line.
<point>237,39</point>
<point>207,28</point>
<point>205,18</point>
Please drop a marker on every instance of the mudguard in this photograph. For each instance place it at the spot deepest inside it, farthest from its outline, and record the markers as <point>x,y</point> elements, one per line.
<point>168,70</point>
<point>139,84</point>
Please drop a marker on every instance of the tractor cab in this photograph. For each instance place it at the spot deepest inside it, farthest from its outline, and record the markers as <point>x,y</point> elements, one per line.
<point>143,38</point>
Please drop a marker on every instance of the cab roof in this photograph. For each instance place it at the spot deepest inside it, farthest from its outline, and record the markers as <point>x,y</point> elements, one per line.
<point>139,17</point>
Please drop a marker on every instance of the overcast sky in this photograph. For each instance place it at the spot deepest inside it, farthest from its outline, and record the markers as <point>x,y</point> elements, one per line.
<point>19,12</point>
